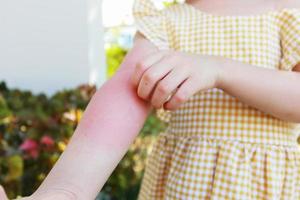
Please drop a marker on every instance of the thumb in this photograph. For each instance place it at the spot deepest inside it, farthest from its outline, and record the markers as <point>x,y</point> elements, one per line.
<point>2,194</point>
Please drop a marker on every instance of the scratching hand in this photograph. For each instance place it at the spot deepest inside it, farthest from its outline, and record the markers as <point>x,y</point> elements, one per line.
<point>168,78</point>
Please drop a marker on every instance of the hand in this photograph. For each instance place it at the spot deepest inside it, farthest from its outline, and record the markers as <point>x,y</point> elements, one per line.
<point>172,77</point>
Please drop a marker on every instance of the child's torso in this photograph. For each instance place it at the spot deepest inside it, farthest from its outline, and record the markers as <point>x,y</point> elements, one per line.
<point>213,113</point>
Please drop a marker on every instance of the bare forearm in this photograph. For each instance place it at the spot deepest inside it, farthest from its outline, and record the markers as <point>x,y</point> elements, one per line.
<point>110,123</point>
<point>273,91</point>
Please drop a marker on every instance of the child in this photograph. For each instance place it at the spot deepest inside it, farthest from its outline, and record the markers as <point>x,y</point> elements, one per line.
<point>231,68</point>
<point>234,106</point>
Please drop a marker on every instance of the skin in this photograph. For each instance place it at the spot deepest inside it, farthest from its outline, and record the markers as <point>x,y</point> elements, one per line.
<point>163,71</point>
<point>98,145</point>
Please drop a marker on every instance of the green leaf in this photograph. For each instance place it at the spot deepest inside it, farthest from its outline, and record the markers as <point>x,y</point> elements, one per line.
<point>15,168</point>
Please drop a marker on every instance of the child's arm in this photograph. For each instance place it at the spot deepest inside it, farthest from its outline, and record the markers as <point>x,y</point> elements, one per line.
<point>112,120</point>
<point>273,91</point>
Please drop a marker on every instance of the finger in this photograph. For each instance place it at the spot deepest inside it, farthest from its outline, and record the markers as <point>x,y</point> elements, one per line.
<point>186,90</point>
<point>153,75</point>
<point>2,194</point>
<point>167,85</point>
<point>144,64</point>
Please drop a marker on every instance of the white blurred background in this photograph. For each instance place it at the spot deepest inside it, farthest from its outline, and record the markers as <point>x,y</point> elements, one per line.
<point>46,46</point>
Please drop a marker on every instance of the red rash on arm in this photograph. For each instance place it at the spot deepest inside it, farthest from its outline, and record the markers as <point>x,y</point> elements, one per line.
<point>115,114</point>
<point>112,120</point>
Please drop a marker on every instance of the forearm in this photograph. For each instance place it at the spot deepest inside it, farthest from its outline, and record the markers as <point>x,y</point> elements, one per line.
<point>273,91</point>
<point>112,120</point>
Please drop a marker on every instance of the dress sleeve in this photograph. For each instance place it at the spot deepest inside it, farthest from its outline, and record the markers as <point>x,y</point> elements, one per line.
<point>289,22</point>
<point>151,22</point>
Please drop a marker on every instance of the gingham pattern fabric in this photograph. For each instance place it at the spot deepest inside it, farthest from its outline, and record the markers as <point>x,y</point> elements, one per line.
<point>215,146</point>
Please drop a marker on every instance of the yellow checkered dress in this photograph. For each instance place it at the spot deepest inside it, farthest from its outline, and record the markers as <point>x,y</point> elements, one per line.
<point>215,146</point>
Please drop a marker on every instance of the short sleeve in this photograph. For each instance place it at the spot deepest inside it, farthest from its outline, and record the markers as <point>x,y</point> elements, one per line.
<point>151,22</point>
<point>289,23</point>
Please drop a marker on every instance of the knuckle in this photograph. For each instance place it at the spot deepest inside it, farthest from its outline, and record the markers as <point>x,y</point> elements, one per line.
<point>141,65</point>
<point>149,77</point>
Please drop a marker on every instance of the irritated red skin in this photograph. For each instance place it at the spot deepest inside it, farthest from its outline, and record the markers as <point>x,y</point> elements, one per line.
<point>115,114</point>
<point>112,120</point>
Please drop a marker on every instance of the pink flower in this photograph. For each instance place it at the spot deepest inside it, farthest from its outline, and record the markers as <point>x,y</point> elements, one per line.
<point>30,146</point>
<point>47,141</point>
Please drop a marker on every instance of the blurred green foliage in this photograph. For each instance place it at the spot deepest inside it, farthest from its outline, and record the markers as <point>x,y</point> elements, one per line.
<point>115,55</point>
<point>170,3</point>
